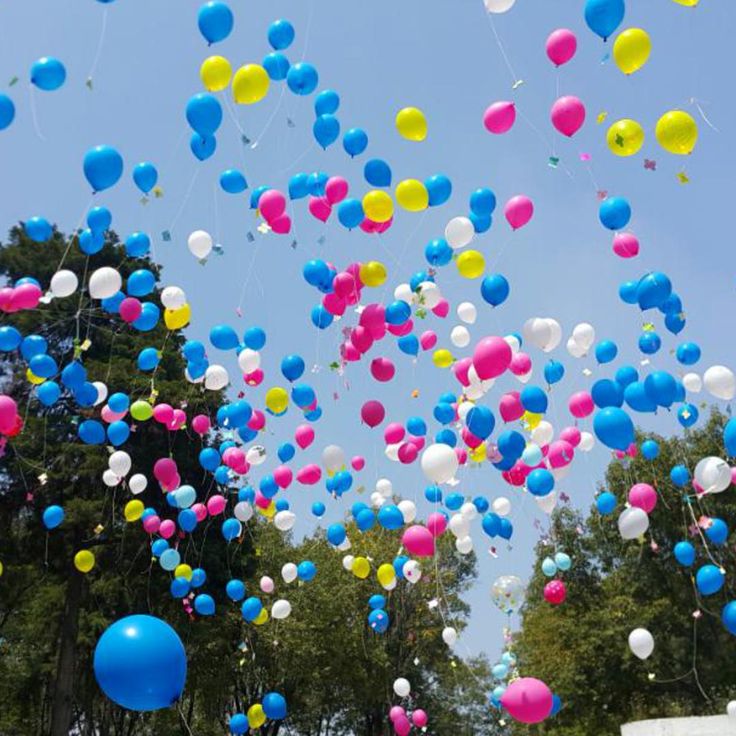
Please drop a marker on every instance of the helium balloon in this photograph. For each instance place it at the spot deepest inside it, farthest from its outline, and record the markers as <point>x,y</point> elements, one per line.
<point>631,50</point>
<point>412,195</point>
<point>281,34</point>
<point>507,593</point>
<point>499,6</point>
<point>614,213</point>
<point>568,115</point>
<point>518,211</point>
<point>625,137</point>
<point>378,206</point>
<point>215,21</point>
<point>561,46</point>
<point>641,643</point>
<point>103,167</point>
<point>377,173</point>
<point>604,16</point>
<point>302,78</point>
<point>48,74</point>
<point>411,124</point>
<point>215,73</point>
<point>499,117</point>
<point>250,84</point>
<point>677,132</point>
<point>355,141</point>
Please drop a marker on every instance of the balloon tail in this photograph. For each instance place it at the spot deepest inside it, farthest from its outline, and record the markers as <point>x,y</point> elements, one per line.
<point>34,115</point>
<point>184,720</point>
<point>704,116</point>
<point>270,120</point>
<point>98,53</point>
<point>516,81</point>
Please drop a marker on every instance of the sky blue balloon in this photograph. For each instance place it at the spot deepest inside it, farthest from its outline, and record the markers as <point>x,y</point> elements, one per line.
<point>251,608</point>
<point>506,528</point>
<point>306,571</point>
<point>326,130</point>
<point>141,282</point>
<point>709,580</point>
<point>511,444</point>
<point>556,706</point>
<point>679,475</point>
<point>553,372</point>
<point>439,189</point>
<point>302,78</point>
<point>390,517</point>
<point>377,173</point>
<point>650,449</point>
<point>495,289</point>
<point>302,395</point>
<point>653,289</point>
<point>534,399</point>
<point>688,415</point>
<point>281,34</point>
<point>10,338</point>
<point>321,318</point>
<point>73,375</point>
<point>292,367</point>
<point>48,393</point>
<point>255,196</point>
<point>316,272</point>
<point>614,428</point>
<point>661,388</point>
<point>605,503</point>
<point>276,66</point>
<point>649,343</point>
<point>231,529</point>
<point>149,317</point>
<point>91,242</point>
<point>729,436</point>
<point>238,723</point>
<point>103,167</point>
<point>481,223</point>
<point>636,397</point>
<point>254,338</point>
<point>480,421</point>
<point>7,111</point>
<point>140,663</point>
<point>318,509</point>
<point>614,213</point>
<point>274,706</point>
<point>204,604</point>
<point>148,359</point>
<point>235,590</point>
<point>48,73</point>
<point>606,392</point>
<point>675,323</point>
<point>438,252</point>
<point>327,102</point>
<point>408,344</point>
<point>193,350</point>
<point>604,16</point>
<point>685,554</point>
<point>224,337</point>
<point>350,213</point>
<point>99,219</point>
<point>91,432</point>
<point>145,176</point>
<point>204,114</point>
<point>215,21</point>
<point>728,616</point>
<point>317,182</point>
<point>53,516</point>
<point>336,534</point>
<point>627,292</point>
<point>86,395</point>
<point>540,482</point>
<point>203,147</point>
<point>233,181</point>
<point>118,433</point>
<point>717,532</point>
<point>209,458</point>
<point>355,141</point>
<point>606,351</point>
<point>417,427</point>
<point>38,229</point>
<point>482,202</point>
<point>43,366</point>
<point>688,353</point>
<point>179,587</point>
<point>137,245</point>
<point>298,186</point>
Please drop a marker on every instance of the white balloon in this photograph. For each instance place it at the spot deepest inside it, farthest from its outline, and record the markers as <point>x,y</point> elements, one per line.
<point>216,378</point>
<point>692,383</point>
<point>547,503</point>
<point>120,463</point>
<point>347,562</point>
<point>556,335</point>
<point>513,342</point>
<point>575,349</point>
<point>429,294</point>
<point>460,336</point>
<point>137,483</point>
<point>587,442</point>
<point>377,500</point>
<point>466,312</point>
<point>474,391</point>
<point>101,392</point>
<point>403,293</point>
<point>449,636</point>
<point>469,511</point>
<point>464,545</point>
<point>542,434</point>
<point>720,382</point>
<point>249,360</point>
<point>459,232</point>
<point>173,297</point>
<point>463,410</point>
<point>713,474</point>
<point>408,510</point>
<point>289,572</point>
<point>392,452</point>
<point>412,571</point>
<point>63,283</point>
<point>281,609</point>
<point>345,545</point>
<point>632,523</point>
<point>641,643</point>
<point>501,506</point>
<point>584,335</point>
<point>284,520</point>
<point>243,511</point>
<point>256,455</point>
<point>731,710</point>
<point>200,244</point>
<point>104,283</point>
<point>543,333</point>
<point>499,6</point>
<point>459,526</point>
<point>110,478</point>
<point>439,463</point>
<point>402,687</point>
<point>385,487</point>
<point>333,458</point>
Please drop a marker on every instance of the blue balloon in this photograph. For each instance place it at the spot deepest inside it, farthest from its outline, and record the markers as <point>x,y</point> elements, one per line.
<point>280,34</point>
<point>38,229</point>
<point>355,141</point>
<point>292,367</point>
<point>203,147</point>
<point>145,176</point>
<point>53,516</point>
<point>398,312</point>
<point>438,252</point>
<point>650,449</point>
<point>118,402</point>
<point>511,445</point>
<point>86,395</point>
<point>251,608</point>
<point>276,66</point>
<point>254,338</point>
<point>377,601</point>
<point>232,181</point>
<point>614,428</point>
<point>326,130</point>
<point>255,196</point>
<point>390,517</point>
<point>204,114</point>
<point>103,167</point>
<point>636,397</point>
<point>377,173</point>
<point>729,436</point>
<point>481,223</point>
<point>118,433</point>
<point>141,282</point>
<point>606,392</point>
<point>417,427</point>
<point>316,183</point>
<point>99,219</point>
<point>439,189</point>
<point>43,366</point>
<point>605,503</point>
<point>215,21</point>
<point>321,318</point>
<point>224,337</point>
<point>140,663</point>
<point>274,706</point>
<point>495,289</point>
<point>298,186</point>
<point>137,245</point>
<point>317,273</point>
<point>606,351</point>
<point>409,344</point>
<point>506,530</point>
<point>534,399</point>
<point>302,78</point>
<point>48,73</point>
<point>286,452</point>
<point>685,554</point>
<point>91,432</point>
<point>303,395</point>
<point>350,213</point>
<point>671,305</point>
<point>717,532</point>
<point>179,587</point>
<point>48,393</point>
<point>540,482</point>
<point>7,111</point>
<point>378,620</point>
<point>653,290</point>
<point>73,375</point>
<point>326,102</point>
<point>336,534</point>
<point>649,343</point>
<point>149,317</point>
<point>709,579</point>
<point>675,323</point>
<point>553,372</point>
<point>661,388</point>
<point>687,415</point>
<point>318,509</point>
<point>306,571</point>
<point>204,604</point>
<point>614,213</point>
<point>482,202</point>
<point>556,706</point>
<point>454,501</point>
<point>679,475</point>
<point>688,353</point>
<point>10,338</point>
<point>91,242</point>
<point>231,529</point>
<point>628,292</point>
<point>238,723</point>
<point>604,16</point>
<point>728,616</point>
<point>235,590</point>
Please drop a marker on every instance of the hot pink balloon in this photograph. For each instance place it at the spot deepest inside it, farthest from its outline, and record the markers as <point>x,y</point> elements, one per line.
<point>560,454</point>
<point>441,309</point>
<point>200,511</point>
<point>151,524</point>
<point>518,211</point>
<point>499,117</point>
<point>395,712</point>
<point>561,46</point>
<point>283,476</point>
<point>178,420</point>
<point>400,330</point>
<point>167,528</point>
<point>216,505</point>
<point>361,339</point>
<point>201,424</point>
<point>163,413</point>
<point>349,352</point>
<point>6,298</point>
<point>262,501</point>
<point>581,404</point>
<point>272,204</point>
<point>357,463</point>
<point>418,442</point>
<point>408,453</point>
<point>343,284</point>
<point>382,369</point>
<point>568,115</point>
<point>520,364</point>
<point>25,296</point>
<point>309,475</point>
<point>555,592</point>
<point>643,497</point>
<point>491,357</point>
<point>394,433</point>
<point>625,245</point>
<point>428,340</point>
<point>373,317</point>
<point>164,469</point>
<point>281,225</point>
<point>336,189</point>
<point>470,439</point>
<point>320,208</point>
<point>372,413</point>
<point>419,718</point>
<point>528,700</point>
<point>255,378</point>
<point>510,407</point>
<point>257,420</point>
<point>437,524</point>
<point>418,541</point>
<point>304,435</point>
<point>461,455</point>
<point>402,726</point>
<point>461,368</point>
<point>571,435</point>
<point>130,309</point>
<point>8,412</point>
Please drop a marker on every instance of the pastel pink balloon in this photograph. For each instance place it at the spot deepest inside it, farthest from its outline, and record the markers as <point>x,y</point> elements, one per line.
<point>164,469</point>
<point>493,454</point>
<point>419,718</point>
<point>561,46</point>
<point>441,309</point>
<point>402,726</point>
<point>281,225</point>
<point>625,245</point>
<point>428,340</point>
<point>395,712</point>
<point>361,339</point>
<point>8,412</point>
<point>110,416</point>
<point>527,700</point>
<point>571,435</point>
<point>242,468</point>
<point>372,413</point>
<point>233,456</point>
<point>320,208</point>
<point>200,511</point>
<point>568,115</point>
<point>437,524</point>
<point>167,528</point>
<point>510,407</point>
<point>418,541</point>
<point>555,592</point>
<point>151,524</point>
<point>272,204</point>
<point>304,435</point>
<point>334,304</point>
<point>358,463</point>
<point>216,505</point>
<point>309,475</point>
<point>336,189</point>
<point>643,497</point>
<point>130,309</point>
<point>491,357</point>
<point>518,211</point>
<point>408,453</point>
<point>201,424</point>
<point>499,117</point>
<point>255,378</point>
<point>283,476</point>
<point>266,584</point>
<point>403,329</point>
<point>520,364</point>
<point>257,420</point>
<point>581,404</point>
<point>461,368</point>
<point>25,296</point>
<point>163,413</point>
<point>560,454</point>
<point>394,433</point>
<point>382,369</point>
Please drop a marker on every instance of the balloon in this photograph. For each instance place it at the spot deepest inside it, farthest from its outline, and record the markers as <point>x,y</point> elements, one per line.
<point>604,16</point>
<point>492,356</point>
<point>709,579</point>
<point>439,189</point>
<point>202,147</point>
<point>677,132</point>
<point>215,73</point>
<point>614,428</point>
<point>614,213</point>
<point>499,117</point>
<point>641,643</point>
<point>632,523</point>
<point>145,176</point>
<point>561,46</point>
<point>104,282</point>
<point>720,381</point>
<point>48,73</point>
<point>378,206</point>
<point>568,115</point>
<point>418,540</point>
<point>411,124</point>
<point>495,289</point>
<point>84,561</point>
<point>355,141</point>
<point>200,244</point>
<point>276,65</point>
<point>518,211</point>
<point>402,688</point>
<point>281,34</point>
<point>631,50</point>
<point>643,496</point>
<point>412,195</point>
<point>377,173</point>
<point>250,84</point>
<point>471,264</point>
<point>274,706</point>
<point>53,516</point>
<point>302,78</point>
<point>625,137</point>
<point>215,21</point>
<point>7,111</point>
<point>326,130</point>
<point>256,716</point>
<point>712,474</point>
<point>499,6</point>
<point>459,232</point>
<point>507,593</point>
<point>103,167</point>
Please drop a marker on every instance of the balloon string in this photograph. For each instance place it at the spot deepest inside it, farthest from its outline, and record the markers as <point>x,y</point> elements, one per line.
<point>74,233</point>
<point>232,114</point>
<point>34,116</point>
<point>296,160</point>
<point>185,200</point>
<point>703,115</point>
<point>308,29</point>
<point>98,53</point>
<point>184,720</point>
<point>270,120</point>
<point>505,57</point>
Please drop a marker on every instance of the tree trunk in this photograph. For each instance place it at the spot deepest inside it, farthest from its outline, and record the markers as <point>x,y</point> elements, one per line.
<point>61,707</point>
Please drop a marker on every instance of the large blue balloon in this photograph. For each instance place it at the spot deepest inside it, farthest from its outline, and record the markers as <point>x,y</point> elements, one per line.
<point>215,21</point>
<point>661,388</point>
<point>614,213</point>
<point>224,337</point>
<point>614,428</point>
<point>604,16</point>
<point>280,34</point>
<point>606,392</point>
<point>495,289</point>
<point>377,173</point>
<point>534,399</point>
<point>103,167</point>
<point>38,229</point>
<point>326,130</point>
<point>636,397</point>
<point>145,176</point>
<point>204,114</point>
<point>302,78</point>
<point>140,663</point>
<point>355,141</point>
<point>438,252</point>
<point>141,282</point>
<point>48,73</point>
<point>653,290</point>
<point>7,111</point>
<point>137,245</point>
<point>480,421</point>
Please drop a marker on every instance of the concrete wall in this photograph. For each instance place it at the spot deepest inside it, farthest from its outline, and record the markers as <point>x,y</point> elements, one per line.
<point>711,726</point>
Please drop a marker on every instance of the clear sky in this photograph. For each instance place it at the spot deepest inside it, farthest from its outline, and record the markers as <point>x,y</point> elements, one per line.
<point>381,56</point>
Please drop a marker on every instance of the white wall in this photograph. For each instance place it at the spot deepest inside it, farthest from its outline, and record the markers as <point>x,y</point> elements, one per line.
<point>711,726</point>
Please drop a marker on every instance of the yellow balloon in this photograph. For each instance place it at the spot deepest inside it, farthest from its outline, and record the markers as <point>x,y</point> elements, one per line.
<point>631,50</point>
<point>269,512</point>
<point>133,510</point>
<point>261,618</point>
<point>412,195</point>
<point>256,716</point>
<point>471,264</point>
<point>478,454</point>
<point>378,206</point>
<point>177,318</point>
<point>33,378</point>
<point>277,400</point>
<point>386,574</point>
<point>373,273</point>
<point>183,571</point>
<point>2,569</point>
<point>442,358</point>
<point>141,410</point>
<point>361,568</point>
<point>411,124</point>
<point>250,84</point>
<point>84,561</point>
<point>625,137</point>
<point>531,420</point>
<point>687,3</point>
<point>677,132</point>
<point>215,73</point>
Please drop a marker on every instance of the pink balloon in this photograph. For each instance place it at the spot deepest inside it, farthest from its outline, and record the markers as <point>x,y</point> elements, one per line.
<point>6,298</point>
<point>304,436</point>
<point>462,455</point>
<point>261,501</point>
<point>555,592</point>
<point>361,339</point>
<point>200,511</point>
<point>216,505</point>
<point>309,475</point>
<point>130,309</point>
<point>201,424</point>
<point>499,117</point>
<point>419,718</point>
<point>382,369</point>
<point>372,413</point>
<point>568,115</point>
<point>255,378</point>
<point>336,189</point>
<point>8,412</point>
<point>334,304</point>
<point>571,435</point>
<point>164,469</point>
<point>395,712</point>
<point>437,524</point>
<point>400,330</point>
<point>518,211</point>
<point>428,340</point>
<point>560,454</point>
<point>320,208</point>
<point>110,416</point>
<point>167,528</point>
<point>510,407</point>
<point>283,476</point>
<point>178,420</point>
<point>373,318</point>
<point>418,442</point>
<point>344,284</point>
<point>581,404</point>
<point>172,483</point>
<point>491,357</point>
<point>418,541</point>
<point>272,204</point>
<point>625,245</point>
<point>394,433</point>
<point>408,453</point>
<point>470,439</point>
<point>233,456</point>
<point>358,463</point>
<point>402,726</point>
<point>163,413</point>
<point>461,368</point>
<point>151,524</point>
<point>25,296</point>
<point>349,352</point>
<point>520,364</point>
<point>266,584</point>
<point>257,420</point>
<point>643,497</point>
<point>527,700</point>
<point>281,225</point>
<point>441,309</point>
<point>561,46</point>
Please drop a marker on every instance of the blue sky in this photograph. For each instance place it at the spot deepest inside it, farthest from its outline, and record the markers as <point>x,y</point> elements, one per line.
<point>381,56</point>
